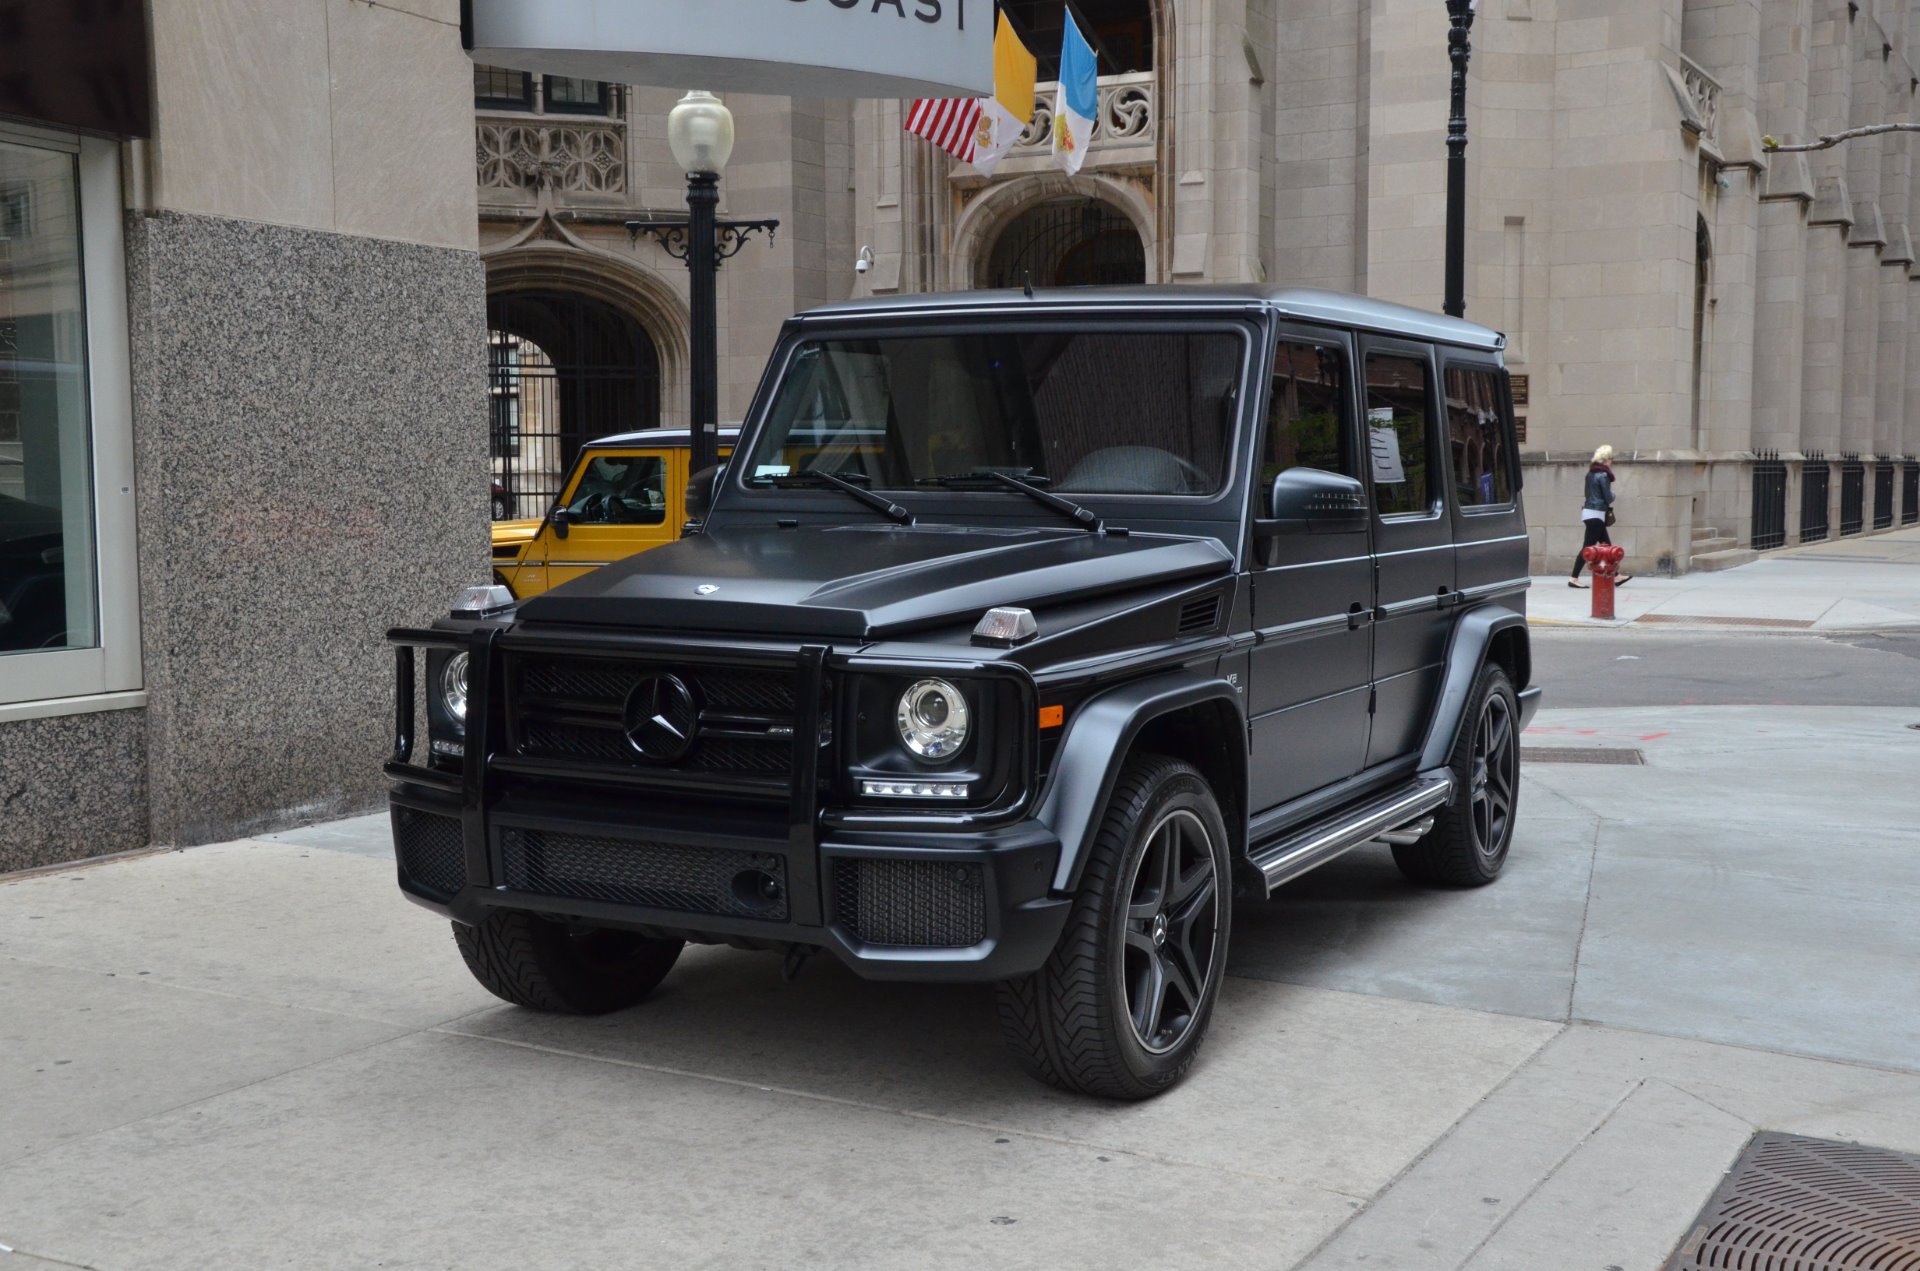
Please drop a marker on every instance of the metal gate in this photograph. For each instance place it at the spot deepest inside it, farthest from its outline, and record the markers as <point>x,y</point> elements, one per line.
<point>1853,495</point>
<point>1910,494</point>
<point>1077,243</point>
<point>1883,493</point>
<point>1769,501</point>
<point>561,371</point>
<point>1816,488</point>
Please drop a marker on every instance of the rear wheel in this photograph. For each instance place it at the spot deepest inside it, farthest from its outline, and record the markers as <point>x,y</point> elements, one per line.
<point>561,967</point>
<point>1470,840</point>
<point>1121,1006</point>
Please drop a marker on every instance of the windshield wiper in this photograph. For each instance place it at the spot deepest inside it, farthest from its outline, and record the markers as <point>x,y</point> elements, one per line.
<point>819,476</point>
<point>988,478</point>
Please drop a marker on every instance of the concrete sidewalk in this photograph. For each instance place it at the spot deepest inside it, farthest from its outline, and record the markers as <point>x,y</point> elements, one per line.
<point>258,1055</point>
<point>1854,585</point>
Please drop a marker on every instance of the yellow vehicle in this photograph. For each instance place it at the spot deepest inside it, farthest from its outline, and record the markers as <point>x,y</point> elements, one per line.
<point>625,494</point>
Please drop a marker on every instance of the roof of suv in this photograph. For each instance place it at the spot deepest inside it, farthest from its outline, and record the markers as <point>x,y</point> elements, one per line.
<point>1305,303</point>
<point>728,434</point>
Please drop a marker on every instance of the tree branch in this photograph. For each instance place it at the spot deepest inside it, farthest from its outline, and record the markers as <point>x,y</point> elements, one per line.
<point>1830,140</point>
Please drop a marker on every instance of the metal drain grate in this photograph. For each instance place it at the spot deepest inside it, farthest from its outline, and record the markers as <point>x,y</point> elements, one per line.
<point>1692,620</point>
<point>1583,754</point>
<point>1797,1204</point>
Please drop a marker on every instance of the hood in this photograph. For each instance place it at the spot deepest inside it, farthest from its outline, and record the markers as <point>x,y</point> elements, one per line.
<point>860,582</point>
<point>515,533</point>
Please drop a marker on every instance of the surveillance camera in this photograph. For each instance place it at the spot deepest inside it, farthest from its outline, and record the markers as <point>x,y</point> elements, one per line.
<point>864,261</point>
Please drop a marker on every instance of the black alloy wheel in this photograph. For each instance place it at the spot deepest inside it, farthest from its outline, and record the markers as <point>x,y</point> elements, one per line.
<point>1120,1007</point>
<point>1473,834</point>
<point>1172,916</point>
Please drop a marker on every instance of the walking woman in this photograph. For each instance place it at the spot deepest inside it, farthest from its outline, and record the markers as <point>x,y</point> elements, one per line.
<point>1597,513</point>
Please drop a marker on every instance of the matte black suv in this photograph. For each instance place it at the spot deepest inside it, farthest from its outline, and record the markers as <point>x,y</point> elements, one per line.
<point>1020,635</point>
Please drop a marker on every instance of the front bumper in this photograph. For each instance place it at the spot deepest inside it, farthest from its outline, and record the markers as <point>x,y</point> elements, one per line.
<point>952,906</point>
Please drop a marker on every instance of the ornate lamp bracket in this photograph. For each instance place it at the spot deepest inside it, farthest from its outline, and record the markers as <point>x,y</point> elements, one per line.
<point>728,239</point>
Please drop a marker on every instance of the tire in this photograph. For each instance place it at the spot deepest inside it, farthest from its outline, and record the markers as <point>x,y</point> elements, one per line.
<point>1471,838</point>
<point>1085,1021</point>
<point>502,509</point>
<point>551,966</point>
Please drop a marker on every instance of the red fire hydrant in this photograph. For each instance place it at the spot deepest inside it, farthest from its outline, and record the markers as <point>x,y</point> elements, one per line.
<point>1605,560</point>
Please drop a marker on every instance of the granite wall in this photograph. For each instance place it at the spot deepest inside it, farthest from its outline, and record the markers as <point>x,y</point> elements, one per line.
<point>72,786</point>
<point>310,432</point>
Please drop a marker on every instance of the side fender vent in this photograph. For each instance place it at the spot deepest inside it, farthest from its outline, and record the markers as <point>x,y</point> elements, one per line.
<point>1199,615</point>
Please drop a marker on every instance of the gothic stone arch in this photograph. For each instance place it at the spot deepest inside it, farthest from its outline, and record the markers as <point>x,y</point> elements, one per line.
<point>999,206</point>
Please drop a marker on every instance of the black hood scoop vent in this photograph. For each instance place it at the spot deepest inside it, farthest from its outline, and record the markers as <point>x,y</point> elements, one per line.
<point>1199,615</point>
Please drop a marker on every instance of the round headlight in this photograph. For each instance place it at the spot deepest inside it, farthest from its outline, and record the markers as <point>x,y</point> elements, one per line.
<point>453,687</point>
<point>933,719</point>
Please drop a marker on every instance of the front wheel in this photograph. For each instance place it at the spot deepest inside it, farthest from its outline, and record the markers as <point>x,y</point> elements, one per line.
<point>1120,1007</point>
<point>562,967</point>
<point>1469,842</point>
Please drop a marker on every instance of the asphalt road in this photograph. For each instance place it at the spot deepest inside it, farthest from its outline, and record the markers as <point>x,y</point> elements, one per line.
<point>1643,668</point>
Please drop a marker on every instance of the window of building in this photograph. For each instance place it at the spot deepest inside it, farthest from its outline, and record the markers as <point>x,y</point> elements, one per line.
<point>1398,392</point>
<point>1482,473</point>
<point>497,88</point>
<point>68,602</point>
<point>577,96</point>
<point>1306,418</point>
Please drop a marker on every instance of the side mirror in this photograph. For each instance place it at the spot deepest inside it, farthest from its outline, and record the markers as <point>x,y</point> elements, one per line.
<point>700,488</point>
<point>1310,501</point>
<point>559,518</point>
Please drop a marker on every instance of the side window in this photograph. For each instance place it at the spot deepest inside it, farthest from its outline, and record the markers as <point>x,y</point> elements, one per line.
<point>1307,415</point>
<point>1398,393</point>
<point>621,490</point>
<point>1477,436</point>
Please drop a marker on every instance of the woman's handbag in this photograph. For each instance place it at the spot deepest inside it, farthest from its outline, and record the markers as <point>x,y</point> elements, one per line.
<point>1609,516</point>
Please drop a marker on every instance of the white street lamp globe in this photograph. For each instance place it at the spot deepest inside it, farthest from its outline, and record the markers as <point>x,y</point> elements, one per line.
<point>700,130</point>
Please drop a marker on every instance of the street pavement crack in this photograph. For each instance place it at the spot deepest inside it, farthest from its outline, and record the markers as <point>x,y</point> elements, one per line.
<point>1586,908</point>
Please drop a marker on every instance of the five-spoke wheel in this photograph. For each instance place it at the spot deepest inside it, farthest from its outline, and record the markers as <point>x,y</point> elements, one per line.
<point>1172,917</point>
<point>1470,838</point>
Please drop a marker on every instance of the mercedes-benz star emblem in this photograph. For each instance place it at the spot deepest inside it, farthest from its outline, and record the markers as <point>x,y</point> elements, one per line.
<point>661,718</point>
<point>707,589</point>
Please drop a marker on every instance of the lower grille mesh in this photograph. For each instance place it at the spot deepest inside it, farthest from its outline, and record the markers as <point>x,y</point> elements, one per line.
<point>924,904</point>
<point>657,875</point>
<point>431,851</point>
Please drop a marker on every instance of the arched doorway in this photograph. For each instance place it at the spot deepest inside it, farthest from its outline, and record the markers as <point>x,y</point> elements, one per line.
<point>1070,242</point>
<point>563,368</point>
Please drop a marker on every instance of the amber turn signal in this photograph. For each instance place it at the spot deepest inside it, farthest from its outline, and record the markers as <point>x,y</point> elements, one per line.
<point>1052,716</point>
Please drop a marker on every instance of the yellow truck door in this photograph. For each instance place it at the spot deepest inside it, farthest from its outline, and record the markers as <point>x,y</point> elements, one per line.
<point>619,501</point>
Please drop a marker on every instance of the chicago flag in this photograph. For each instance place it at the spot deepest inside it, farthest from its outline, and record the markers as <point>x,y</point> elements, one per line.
<point>1079,99</point>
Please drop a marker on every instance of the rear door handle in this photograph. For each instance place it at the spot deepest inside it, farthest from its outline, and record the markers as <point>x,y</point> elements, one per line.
<point>1356,615</point>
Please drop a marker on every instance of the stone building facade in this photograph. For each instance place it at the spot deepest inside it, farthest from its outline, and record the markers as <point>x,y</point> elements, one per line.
<point>240,303</point>
<point>1736,324</point>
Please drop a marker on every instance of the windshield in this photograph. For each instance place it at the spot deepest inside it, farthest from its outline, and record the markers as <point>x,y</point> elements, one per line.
<point>1086,412</point>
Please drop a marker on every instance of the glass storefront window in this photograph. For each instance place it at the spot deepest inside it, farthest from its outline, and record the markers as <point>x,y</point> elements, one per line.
<point>48,591</point>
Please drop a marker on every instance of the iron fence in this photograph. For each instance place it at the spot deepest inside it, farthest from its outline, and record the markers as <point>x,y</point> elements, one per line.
<point>1769,501</point>
<point>1853,495</point>
<point>1910,494</point>
<point>1816,485</point>
<point>1883,494</point>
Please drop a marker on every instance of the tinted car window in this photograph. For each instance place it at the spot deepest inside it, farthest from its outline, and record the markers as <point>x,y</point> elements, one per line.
<point>1307,413</point>
<point>1397,404</point>
<point>1088,411</point>
<point>1476,436</point>
<point>621,490</point>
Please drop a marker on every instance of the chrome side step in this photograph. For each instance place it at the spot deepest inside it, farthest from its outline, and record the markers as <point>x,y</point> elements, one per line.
<point>1392,816</point>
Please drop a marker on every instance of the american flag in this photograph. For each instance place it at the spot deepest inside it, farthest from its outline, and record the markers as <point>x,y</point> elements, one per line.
<point>952,123</point>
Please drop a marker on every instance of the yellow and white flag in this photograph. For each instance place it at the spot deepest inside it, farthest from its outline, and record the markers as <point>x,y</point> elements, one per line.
<point>1005,115</point>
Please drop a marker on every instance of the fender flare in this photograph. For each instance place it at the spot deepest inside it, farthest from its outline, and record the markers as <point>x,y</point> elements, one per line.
<point>1467,652</point>
<point>1097,743</point>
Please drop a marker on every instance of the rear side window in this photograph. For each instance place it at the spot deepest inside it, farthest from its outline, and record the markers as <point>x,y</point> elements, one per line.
<point>1307,414</point>
<point>1398,393</point>
<point>1477,436</point>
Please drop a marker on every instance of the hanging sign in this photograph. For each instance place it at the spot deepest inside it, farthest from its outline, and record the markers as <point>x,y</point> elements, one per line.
<point>801,48</point>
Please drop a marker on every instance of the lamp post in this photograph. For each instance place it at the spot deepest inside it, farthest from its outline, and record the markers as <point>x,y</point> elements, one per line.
<point>1460,48</point>
<point>700,131</point>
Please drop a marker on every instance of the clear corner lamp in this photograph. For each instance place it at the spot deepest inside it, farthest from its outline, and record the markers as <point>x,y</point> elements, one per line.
<point>700,130</point>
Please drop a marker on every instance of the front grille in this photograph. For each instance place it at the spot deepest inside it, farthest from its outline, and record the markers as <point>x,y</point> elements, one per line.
<point>925,904</point>
<point>696,880</point>
<point>572,709</point>
<point>431,851</point>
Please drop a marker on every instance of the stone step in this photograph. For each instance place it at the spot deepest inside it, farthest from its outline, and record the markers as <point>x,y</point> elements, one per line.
<point>1701,532</point>
<point>1710,562</point>
<point>1702,546</point>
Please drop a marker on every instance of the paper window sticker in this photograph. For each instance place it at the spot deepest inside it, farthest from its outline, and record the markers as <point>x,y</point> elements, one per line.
<point>1385,444</point>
